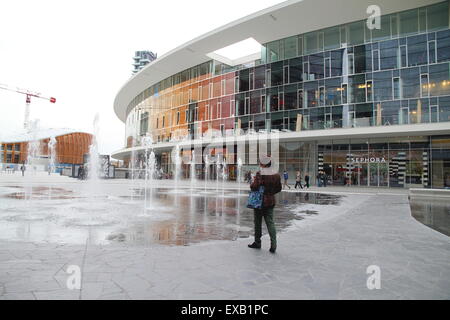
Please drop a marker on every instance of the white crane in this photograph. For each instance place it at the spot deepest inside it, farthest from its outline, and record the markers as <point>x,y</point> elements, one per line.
<point>28,95</point>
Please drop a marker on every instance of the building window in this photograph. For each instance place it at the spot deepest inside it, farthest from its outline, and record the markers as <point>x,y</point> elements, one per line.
<point>273,51</point>
<point>409,22</point>
<point>300,99</point>
<point>276,74</point>
<point>290,47</point>
<point>437,16</point>
<point>305,71</point>
<point>432,51</point>
<point>443,46</point>
<point>357,88</point>
<point>344,93</point>
<point>222,87</point>
<point>439,78</point>
<point>417,50</point>
<point>178,117</point>
<point>362,59</point>
<point>327,67</point>
<point>286,74</point>
<point>351,65</point>
<point>424,85</point>
<point>376,60</point>
<point>388,54</point>
<point>333,91</point>
<point>396,88</point>
<point>369,90</point>
<point>210,90</point>
<point>300,46</point>
<point>316,69</point>
<point>268,77</point>
<point>410,82</point>
<point>382,82</point>
<point>356,32</point>
<point>321,96</point>
<point>403,57</point>
<point>384,32</point>
<point>331,38</point>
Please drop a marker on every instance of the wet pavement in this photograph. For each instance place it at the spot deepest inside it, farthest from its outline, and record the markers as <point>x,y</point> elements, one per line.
<point>434,213</point>
<point>170,217</point>
<point>325,247</point>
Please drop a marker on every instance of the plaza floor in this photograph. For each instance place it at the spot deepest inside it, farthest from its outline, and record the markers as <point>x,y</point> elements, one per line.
<point>318,257</point>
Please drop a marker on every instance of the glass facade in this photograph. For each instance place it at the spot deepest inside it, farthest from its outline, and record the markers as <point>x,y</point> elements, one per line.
<point>388,162</point>
<point>344,76</point>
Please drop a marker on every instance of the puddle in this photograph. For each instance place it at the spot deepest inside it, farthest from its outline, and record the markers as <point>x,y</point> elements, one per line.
<point>170,218</point>
<point>433,213</point>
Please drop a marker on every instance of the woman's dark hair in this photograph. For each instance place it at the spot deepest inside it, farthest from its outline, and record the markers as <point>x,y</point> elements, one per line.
<point>267,165</point>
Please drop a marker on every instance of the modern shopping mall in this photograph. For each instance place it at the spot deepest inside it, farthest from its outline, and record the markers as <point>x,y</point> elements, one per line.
<point>369,104</point>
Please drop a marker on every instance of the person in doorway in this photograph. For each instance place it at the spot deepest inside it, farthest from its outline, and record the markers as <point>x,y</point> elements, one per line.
<point>319,178</point>
<point>286,177</point>
<point>298,180</point>
<point>272,185</point>
<point>324,179</point>
<point>307,180</point>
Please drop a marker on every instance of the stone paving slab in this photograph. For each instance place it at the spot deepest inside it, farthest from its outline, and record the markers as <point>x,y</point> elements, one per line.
<point>326,260</point>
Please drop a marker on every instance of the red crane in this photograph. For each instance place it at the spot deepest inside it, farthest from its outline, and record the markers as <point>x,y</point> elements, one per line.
<point>28,94</point>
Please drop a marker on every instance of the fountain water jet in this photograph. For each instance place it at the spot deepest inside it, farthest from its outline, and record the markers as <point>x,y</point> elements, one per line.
<point>52,153</point>
<point>52,163</point>
<point>33,153</point>
<point>177,167</point>
<point>193,171</point>
<point>94,160</point>
<point>239,179</point>
<point>150,168</point>
<point>206,171</point>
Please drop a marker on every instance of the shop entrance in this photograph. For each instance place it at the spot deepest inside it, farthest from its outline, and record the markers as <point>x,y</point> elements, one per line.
<point>378,174</point>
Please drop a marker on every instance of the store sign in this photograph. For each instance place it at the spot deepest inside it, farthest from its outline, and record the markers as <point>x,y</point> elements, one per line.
<point>368,160</point>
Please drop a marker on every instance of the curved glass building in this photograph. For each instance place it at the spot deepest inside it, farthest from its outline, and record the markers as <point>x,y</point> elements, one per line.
<point>365,98</point>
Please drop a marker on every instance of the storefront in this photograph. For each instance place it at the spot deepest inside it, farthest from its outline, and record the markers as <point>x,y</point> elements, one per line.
<point>390,162</point>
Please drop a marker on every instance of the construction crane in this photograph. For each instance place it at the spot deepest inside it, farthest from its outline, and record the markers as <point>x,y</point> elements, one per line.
<point>28,94</point>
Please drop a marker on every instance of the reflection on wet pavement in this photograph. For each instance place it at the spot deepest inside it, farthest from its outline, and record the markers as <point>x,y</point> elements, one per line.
<point>171,218</point>
<point>432,213</point>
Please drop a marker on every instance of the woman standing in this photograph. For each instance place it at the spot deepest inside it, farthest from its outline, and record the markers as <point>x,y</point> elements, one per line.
<point>272,185</point>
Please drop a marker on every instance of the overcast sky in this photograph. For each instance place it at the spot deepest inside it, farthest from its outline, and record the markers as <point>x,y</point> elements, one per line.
<point>80,52</point>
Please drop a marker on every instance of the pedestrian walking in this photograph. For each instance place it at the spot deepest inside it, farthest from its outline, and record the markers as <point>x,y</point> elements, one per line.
<point>307,180</point>
<point>298,180</point>
<point>286,177</point>
<point>272,185</point>
<point>22,168</point>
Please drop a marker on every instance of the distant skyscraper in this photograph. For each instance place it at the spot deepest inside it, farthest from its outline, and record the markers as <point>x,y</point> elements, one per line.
<point>142,58</point>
